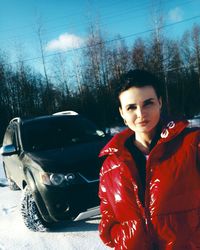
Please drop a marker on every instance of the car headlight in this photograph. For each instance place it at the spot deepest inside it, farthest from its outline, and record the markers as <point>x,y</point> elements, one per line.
<point>70,177</point>
<point>56,179</point>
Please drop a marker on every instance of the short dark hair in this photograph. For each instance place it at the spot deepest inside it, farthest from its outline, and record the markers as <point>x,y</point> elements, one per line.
<point>138,78</point>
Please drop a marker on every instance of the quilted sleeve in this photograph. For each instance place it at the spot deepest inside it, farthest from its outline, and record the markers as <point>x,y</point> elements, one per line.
<point>108,219</point>
<point>123,230</point>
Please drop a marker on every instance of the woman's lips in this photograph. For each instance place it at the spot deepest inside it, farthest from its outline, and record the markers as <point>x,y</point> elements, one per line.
<point>142,123</point>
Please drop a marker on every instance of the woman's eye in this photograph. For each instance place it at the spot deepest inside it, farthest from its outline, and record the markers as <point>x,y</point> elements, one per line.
<point>148,104</point>
<point>131,108</point>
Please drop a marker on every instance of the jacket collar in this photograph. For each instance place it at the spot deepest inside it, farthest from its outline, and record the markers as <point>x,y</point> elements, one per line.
<point>169,132</point>
<point>172,129</point>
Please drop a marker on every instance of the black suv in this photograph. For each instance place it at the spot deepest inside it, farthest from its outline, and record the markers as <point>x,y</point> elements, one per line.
<point>54,160</point>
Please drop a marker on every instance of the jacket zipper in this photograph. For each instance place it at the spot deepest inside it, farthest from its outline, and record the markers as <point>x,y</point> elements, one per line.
<point>149,171</point>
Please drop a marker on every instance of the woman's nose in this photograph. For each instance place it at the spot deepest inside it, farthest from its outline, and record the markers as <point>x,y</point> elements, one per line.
<point>139,112</point>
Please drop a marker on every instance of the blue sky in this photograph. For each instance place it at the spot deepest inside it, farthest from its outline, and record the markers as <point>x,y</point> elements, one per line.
<point>64,22</point>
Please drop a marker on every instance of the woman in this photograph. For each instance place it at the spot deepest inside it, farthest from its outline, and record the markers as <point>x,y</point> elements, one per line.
<point>150,179</point>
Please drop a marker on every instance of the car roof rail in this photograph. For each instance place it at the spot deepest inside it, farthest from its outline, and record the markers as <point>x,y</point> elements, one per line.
<point>67,112</point>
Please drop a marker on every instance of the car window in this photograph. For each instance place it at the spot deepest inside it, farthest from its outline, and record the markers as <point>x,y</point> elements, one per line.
<point>54,133</point>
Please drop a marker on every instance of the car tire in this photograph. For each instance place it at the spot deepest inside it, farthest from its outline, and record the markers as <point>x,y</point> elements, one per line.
<point>30,213</point>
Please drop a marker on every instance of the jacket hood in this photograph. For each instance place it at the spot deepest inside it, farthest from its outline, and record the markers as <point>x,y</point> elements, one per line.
<point>169,132</point>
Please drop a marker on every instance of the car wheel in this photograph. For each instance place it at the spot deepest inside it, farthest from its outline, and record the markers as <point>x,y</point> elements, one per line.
<point>30,213</point>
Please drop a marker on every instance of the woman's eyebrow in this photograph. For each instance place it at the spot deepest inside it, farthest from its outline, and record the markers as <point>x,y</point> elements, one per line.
<point>131,105</point>
<point>145,101</point>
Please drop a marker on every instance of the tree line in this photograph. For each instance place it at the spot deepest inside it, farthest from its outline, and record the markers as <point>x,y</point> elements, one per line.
<point>88,83</point>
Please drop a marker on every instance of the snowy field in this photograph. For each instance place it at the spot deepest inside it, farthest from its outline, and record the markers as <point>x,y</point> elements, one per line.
<point>82,235</point>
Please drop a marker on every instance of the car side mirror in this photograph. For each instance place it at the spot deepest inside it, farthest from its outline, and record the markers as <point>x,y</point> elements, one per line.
<point>8,150</point>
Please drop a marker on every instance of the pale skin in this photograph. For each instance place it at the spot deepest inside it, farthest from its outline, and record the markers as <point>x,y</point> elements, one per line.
<point>140,109</point>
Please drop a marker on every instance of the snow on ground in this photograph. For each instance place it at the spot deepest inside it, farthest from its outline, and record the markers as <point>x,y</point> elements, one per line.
<point>80,235</point>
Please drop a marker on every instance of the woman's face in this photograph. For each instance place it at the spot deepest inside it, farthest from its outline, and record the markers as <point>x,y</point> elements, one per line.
<point>140,108</point>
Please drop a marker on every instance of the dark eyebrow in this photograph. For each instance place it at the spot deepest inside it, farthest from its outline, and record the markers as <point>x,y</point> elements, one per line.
<point>145,101</point>
<point>130,105</point>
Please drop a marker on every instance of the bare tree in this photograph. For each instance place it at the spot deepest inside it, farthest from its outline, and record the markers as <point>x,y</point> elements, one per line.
<point>196,47</point>
<point>139,57</point>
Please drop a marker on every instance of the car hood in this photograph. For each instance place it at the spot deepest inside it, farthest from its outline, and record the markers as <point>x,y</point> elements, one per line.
<point>72,158</point>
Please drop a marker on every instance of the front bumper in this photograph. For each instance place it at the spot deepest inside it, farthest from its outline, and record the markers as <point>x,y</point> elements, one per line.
<point>67,203</point>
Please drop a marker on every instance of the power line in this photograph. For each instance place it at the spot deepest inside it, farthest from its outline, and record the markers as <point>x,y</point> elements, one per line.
<point>124,11</point>
<point>109,41</point>
<point>65,16</point>
<point>110,16</point>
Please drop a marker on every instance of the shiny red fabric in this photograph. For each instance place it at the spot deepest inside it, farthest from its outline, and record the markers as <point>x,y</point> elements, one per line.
<point>170,219</point>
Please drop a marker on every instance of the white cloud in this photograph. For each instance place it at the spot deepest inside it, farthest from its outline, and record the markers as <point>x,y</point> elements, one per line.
<point>176,14</point>
<point>64,42</point>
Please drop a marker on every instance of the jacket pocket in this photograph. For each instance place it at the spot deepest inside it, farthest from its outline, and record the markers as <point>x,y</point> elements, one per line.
<point>180,230</point>
<point>130,235</point>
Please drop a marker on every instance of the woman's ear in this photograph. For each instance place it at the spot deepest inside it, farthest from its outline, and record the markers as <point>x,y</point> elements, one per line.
<point>122,115</point>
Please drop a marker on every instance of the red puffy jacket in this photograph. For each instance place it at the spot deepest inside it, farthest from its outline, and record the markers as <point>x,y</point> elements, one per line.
<point>170,219</point>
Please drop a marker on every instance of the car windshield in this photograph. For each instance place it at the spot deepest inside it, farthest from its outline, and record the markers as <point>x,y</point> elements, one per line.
<point>45,134</point>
